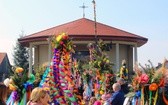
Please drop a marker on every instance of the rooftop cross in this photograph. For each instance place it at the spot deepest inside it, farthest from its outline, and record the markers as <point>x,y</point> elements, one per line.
<point>83,7</point>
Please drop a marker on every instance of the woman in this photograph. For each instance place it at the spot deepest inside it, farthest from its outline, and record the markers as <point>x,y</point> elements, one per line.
<point>3,94</point>
<point>39,96</point>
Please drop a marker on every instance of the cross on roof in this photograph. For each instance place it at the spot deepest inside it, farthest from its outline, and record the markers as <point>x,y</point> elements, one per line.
<point>83,7</point>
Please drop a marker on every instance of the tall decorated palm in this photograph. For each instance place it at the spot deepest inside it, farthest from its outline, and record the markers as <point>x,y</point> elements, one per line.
<point>61,83</point>
<point>102,67</point>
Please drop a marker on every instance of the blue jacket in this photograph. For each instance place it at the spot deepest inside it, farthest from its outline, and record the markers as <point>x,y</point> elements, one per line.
<point>117,98</point>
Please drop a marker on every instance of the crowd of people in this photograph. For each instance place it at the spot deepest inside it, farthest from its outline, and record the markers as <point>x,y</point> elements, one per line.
<point>39,96</point>
<point>120,89</point>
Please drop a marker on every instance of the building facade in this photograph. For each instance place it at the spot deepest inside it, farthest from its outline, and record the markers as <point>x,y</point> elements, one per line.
<point>123,44</point>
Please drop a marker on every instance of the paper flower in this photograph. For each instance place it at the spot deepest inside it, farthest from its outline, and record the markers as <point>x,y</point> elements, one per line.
<point>153,87</point>
<point>101,92</point>
<point>143,79</point>
<point>138,94</point>
<point>7,82</point>
<point>19,70</point>
<point>15,96</point>
<point>12,87</point>
<point>58,38</point>
<point>65,37</point>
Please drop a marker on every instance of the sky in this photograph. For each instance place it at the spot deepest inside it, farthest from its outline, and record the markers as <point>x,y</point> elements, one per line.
<point>147,18</point>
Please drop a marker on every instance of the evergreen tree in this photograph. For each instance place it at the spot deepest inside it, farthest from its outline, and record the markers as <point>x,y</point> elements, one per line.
<point>21,55</point>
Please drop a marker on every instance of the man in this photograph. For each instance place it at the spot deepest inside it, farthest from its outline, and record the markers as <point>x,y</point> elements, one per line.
<point>124,85</point>
<point>117,97</point>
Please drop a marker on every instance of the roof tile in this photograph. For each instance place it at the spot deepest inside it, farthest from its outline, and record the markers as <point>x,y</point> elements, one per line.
<point>83,27</point>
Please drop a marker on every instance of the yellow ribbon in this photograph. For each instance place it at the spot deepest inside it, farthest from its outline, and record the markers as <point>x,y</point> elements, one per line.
<point>156,96</point>
<point>142,95</point>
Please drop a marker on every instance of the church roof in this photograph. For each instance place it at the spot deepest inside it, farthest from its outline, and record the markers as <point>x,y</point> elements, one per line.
<point>83,29</point>
<point>2,56</point>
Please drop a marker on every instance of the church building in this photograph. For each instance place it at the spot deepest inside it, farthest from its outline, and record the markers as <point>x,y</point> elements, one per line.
<point>82,31</point>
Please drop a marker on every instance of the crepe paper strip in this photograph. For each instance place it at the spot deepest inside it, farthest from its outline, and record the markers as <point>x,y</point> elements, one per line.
<point>66,69</point>
<point>164,98</point>
<point>31,78</point>
<point>75,90</point>
<point>156,96</point>
<point>72,99</point>
<point>28,94</point>
<point>142,95</point>
<point>137,101</point>
<point>126,100</point>
<point>161,83</point>
<point>75,103</point>
<point>9,101</point>
<point>134,101</point>
<point>79,96</point>
<point>44,76</point>
<point>24,99</point>
<point>63,84</point>
<point>56,74</point>
<point>150,97</point>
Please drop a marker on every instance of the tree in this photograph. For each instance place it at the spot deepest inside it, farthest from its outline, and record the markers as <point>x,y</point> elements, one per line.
<point>21,55</point>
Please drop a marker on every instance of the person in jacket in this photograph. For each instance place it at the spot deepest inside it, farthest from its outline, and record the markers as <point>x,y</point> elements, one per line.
<point>124,85</point>
<point>117,97</point>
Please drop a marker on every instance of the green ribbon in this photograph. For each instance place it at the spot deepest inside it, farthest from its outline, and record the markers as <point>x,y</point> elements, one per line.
<point>150,97</point>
